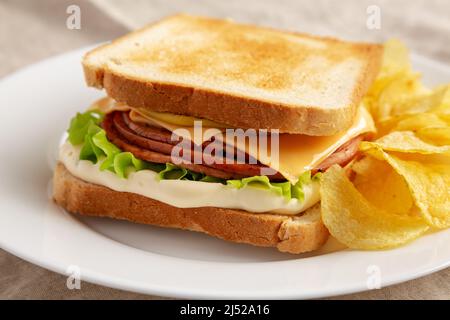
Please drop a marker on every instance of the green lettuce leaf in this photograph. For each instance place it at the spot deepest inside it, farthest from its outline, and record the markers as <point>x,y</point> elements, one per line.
<point>172,172</point>
<point>125,160</point>
<point>84,129</point>
<point>212,179</point>
<point>285,189</point>
<point>262,182</point>
<point>90,151</point>
<point>297,189</point>
<point>80,124</point>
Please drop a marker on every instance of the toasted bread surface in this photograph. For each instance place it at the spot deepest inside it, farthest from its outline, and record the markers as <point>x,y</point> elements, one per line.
<point>240,75</point>
<point>288,234</point>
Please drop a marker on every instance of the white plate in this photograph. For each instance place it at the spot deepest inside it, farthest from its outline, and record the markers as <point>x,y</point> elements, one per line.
<point>36,105</point>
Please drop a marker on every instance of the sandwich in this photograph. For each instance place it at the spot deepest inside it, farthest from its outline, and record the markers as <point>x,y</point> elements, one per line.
<point>217,127</point>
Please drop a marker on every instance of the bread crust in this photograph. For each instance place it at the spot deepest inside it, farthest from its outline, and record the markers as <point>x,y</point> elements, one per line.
<point>232,109</point>
<point>287,234</point>
<point>236,111</point>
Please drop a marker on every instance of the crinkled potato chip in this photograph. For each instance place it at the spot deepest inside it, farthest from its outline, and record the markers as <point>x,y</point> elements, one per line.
<point>399,89</point>
<point>378,182</point>
<point>440,136</point>
<point>428,182</point>
<point>408,122</point>
<point>393,90</point>
<point>404,141</point>
<point>395,82</point>
<point>418,112</point>
<point>402,187</point>
<point>395,58</point>
<point>357,223</point>
<point>421,120</point>
<point>434,101</point>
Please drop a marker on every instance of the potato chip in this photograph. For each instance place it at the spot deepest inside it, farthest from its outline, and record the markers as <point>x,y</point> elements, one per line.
<point>433,101</point>
<point>395,58</point>
<point>404,141</point>
<point>428,182</point>
<point>397,92</point>
<point>391,91</point>
<point>439,136</point>
<point>357,223</point>
<point>421,120</point>
<point>411,122</point>
<point>395,82</point>
<point>420,111</point>
<point>395,65</point>
<point>382,186</point>
<point>402,187</point>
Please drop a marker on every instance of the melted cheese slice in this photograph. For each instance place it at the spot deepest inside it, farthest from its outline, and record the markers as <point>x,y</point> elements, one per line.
<point>297,153</point>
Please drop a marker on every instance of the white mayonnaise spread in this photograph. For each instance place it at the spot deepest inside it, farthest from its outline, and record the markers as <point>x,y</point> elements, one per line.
<point>187,194</point>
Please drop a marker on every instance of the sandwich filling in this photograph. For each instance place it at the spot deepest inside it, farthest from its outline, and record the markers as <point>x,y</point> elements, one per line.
<point>139,151</point>
<point>169,187</point>
<point>296,153</point>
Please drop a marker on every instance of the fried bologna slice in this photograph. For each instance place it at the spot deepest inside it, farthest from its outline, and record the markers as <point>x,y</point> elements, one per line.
<point>240,75</point>
<point>288,234</point>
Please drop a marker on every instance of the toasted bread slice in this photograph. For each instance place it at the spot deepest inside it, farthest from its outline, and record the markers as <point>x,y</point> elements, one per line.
<point>240,75</point>
<point>288,234</point>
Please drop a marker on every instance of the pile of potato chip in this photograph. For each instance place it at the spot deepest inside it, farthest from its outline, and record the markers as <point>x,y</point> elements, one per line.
<point>400,188</point>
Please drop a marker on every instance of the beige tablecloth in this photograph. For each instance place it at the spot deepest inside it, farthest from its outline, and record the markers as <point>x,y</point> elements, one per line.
<point>32,30</point>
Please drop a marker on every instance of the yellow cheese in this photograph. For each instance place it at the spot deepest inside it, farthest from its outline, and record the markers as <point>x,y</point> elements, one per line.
<point>297,153</point>
<point>179,120</point>
<point>107,105</point>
